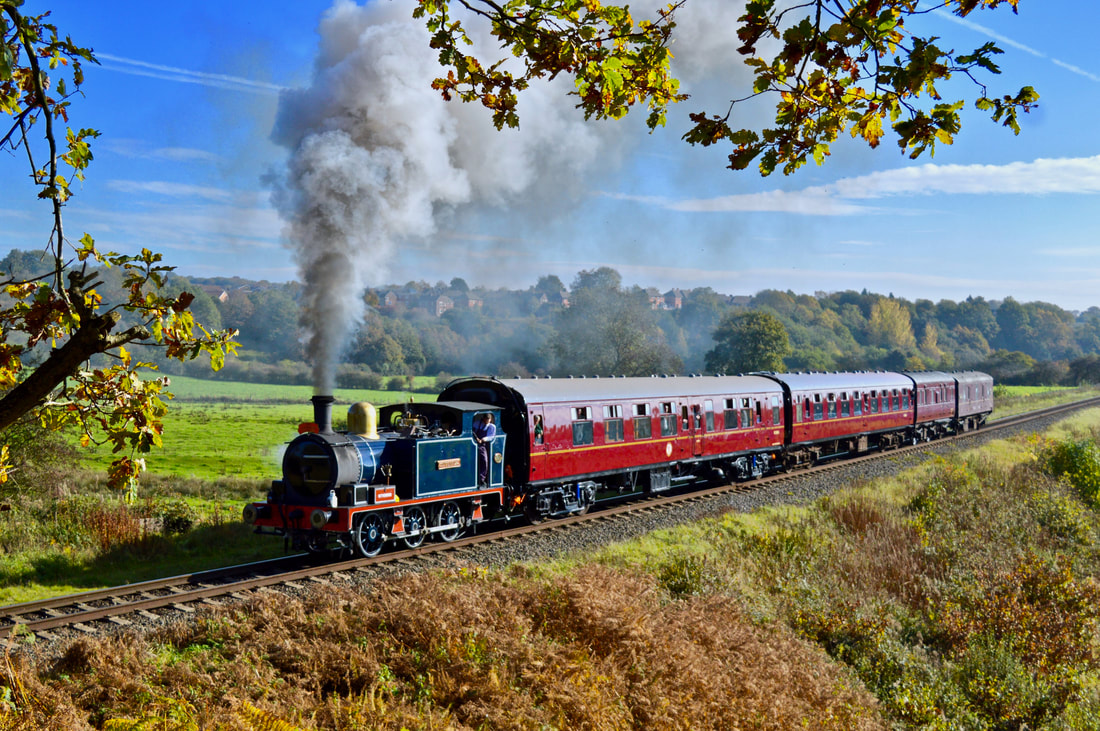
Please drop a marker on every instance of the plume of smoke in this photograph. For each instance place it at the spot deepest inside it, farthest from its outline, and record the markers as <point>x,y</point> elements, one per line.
<point>376,157</point>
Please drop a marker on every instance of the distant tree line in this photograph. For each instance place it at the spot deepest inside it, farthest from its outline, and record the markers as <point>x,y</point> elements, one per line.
<point>597,326</point>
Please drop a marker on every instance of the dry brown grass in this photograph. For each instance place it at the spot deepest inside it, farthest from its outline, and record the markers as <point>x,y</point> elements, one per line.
<point>879,553</point>
<point>600,649</point>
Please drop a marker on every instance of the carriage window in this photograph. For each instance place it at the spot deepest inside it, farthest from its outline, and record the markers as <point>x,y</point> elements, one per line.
<point>643,428</point>
<point>582,426</point>
<point>831,405</point>
<point>729,416</point>
<point>874,402</point>
<point>708,409</point>
<point>808,408</point>
<point>905,399</point>
<point>668,425</point>
<point>845,405</point>
<point>857,404</point>
<point>613,423</point>
<point>775,410</point>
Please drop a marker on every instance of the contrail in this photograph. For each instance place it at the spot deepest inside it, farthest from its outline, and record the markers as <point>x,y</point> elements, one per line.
<point>1014,44</point>
<point>171,73</point>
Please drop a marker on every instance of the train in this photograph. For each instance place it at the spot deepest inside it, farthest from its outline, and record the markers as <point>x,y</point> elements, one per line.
<point>412,471</point>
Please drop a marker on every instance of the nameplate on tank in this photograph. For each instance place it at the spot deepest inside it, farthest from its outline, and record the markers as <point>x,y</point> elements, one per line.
<point>386,494</point>
<point>448,464</point>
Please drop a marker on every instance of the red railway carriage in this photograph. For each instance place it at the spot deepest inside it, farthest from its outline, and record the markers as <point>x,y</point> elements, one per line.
<point>935,403</point>
<point>618,435</point>
<point>973,399</point>
<point>836,413</point>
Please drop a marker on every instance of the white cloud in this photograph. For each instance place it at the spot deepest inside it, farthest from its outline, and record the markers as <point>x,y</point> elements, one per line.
<point>1073,251</point>
<point>140,150</point>
<point>1040,177</point>
<point>185,190</point>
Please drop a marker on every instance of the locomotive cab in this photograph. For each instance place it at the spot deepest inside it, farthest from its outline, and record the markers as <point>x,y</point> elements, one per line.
<point>432,449</point>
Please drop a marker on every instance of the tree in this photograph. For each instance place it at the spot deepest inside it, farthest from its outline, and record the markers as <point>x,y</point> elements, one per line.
<point>608,331</point>
<point>747,342</point>
<point>833,65</point>
<point>62,317</point>
<point>890,326</point>
<point>549,284</point>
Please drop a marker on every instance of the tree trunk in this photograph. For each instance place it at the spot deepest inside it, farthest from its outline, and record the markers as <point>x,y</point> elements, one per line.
<point>92,337</point>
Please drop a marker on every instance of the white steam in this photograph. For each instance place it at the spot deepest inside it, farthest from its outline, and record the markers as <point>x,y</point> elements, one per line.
<point>377,157</point>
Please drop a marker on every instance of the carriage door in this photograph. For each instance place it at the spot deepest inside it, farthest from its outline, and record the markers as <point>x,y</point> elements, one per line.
<point>539,440</point>
<point>697,429</point>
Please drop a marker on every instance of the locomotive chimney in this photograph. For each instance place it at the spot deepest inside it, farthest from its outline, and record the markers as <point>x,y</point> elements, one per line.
<point>322,413</point>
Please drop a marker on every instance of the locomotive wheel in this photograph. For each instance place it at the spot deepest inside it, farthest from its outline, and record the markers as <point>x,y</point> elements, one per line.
<point>369,536</point>
<point>448,514</point>
<point>415,520</point>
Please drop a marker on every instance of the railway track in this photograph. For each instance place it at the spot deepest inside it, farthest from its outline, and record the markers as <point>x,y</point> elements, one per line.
<point>94,611</point>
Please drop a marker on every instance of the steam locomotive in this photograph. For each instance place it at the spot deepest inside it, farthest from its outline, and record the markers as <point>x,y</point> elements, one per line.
<point>411,471</point>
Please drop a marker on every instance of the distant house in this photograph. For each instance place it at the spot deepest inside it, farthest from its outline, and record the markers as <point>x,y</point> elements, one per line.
<point>438,304</point>
<point>674,299</point>
<point>656,299</point>
<point>466,300</point>
<point>215,292</point>
<point>560,299</point>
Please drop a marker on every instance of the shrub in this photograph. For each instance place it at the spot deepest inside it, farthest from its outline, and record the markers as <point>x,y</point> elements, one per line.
<point>1042,613</point>
<point>176,518</point>
<point>349,376</point>
<point>1078,460</point>
<point>1063,517</point>
<point>1002,688</point>
<point>686,575</point>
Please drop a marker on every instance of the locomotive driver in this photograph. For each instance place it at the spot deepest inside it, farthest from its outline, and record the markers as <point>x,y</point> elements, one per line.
<point>484,431</point>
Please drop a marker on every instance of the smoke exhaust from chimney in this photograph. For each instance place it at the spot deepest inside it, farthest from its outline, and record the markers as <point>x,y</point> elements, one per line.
<point>378,160</point>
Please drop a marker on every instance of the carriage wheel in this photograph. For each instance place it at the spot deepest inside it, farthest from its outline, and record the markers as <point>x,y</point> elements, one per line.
<point>316,542</point>
<point>450,514</point>
<point>369,536</point>
<point>531,510</point>
<point>415,522</point>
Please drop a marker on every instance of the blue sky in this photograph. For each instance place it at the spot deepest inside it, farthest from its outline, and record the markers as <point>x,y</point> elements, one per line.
<point>201,105</point>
